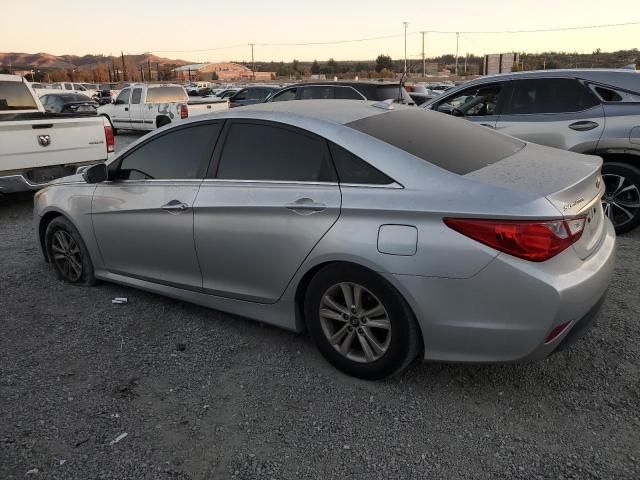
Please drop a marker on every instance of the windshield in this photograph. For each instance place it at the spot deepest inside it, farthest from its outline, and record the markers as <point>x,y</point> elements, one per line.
<point>16,96</point>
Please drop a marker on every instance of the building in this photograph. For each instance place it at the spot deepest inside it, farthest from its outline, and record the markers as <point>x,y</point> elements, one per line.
<point>226,72</point>
<point>500,63</point>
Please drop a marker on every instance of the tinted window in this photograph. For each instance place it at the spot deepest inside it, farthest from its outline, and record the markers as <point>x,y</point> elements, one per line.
<point>68,86</point>
<point>317,93</point>
<point>135,96</point>
<point>548,95</point>
<point>178,154</point>
<point>166,94</point>
<point>289,94</point>
<point>124,96</point>
<point>242,95</point>
<point>475,101</point>
<point>264,152</point>
<point>347,93</point>
<point>611,95</point>
<point>352,169</point>
<point>460,147</point>
<point>257,93</point>
<point>16,96</point>
<point>79,97</point>
<point>392,92</point>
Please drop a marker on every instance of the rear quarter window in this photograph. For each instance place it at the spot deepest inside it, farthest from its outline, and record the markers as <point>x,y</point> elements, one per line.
<point>16,96</point>
<point>166,95</point>
<point>453,144</point>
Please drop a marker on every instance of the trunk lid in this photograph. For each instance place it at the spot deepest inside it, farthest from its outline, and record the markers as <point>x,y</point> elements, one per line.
<point>571,182</point>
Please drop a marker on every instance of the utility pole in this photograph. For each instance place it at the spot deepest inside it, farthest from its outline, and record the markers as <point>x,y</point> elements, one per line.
<point>457,43</point>
<point>406,24</point>
<point>149,67</point>
<point>124,67</point>
<point>424,62</point>
<point>253,63</point>
<point>466,59</point>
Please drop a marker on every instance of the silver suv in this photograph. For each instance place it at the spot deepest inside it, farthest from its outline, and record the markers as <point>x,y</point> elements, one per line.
<point>586,111</point>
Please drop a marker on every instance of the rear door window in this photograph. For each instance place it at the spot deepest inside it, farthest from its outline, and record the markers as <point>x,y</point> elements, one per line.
<point>352,169</point>
<point>319,92</point>
<point>261,151</point>
<point>288,94</point>
<point>166,95</point>
<point>548,95</point>
<point>178,154</point>
<point>16,96</point>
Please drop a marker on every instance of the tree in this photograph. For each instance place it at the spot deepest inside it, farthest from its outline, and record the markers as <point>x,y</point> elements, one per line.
<point>384,62</point>
<point>295,65</point>
<point>315,68</point>
<point>332,66</point>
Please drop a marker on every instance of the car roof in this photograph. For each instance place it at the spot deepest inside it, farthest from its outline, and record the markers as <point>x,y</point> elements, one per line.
<point>621,78</point>
<point>335,111</point>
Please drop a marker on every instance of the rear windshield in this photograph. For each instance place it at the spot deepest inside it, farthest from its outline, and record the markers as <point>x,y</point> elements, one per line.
<point>450,143</point>
<point>166,94</point>
<point>395,92</point>
<point>16,96</point>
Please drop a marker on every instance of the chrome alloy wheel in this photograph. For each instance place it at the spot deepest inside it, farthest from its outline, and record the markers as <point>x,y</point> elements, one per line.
<point>355,322</point>
<point>621,201</point>
<point>66,255</point>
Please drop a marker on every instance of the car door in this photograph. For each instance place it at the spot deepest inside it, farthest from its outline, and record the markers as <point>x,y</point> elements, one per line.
<point>136,111</point>
<point>557,112</point>
<point>269,197</point>
<point>479,104</point>
<point>120,110</point>
<point>143,217</point>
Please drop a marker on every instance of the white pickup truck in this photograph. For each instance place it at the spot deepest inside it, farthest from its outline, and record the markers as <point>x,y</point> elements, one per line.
<point>149,106</point>
<point>37,147</point>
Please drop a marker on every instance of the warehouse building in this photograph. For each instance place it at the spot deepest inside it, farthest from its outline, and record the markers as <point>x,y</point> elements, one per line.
<point>225,71</point>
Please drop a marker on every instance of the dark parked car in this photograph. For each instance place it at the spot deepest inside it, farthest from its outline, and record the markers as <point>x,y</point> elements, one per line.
<point>103,97</point>
<point>68,103</point>
<point>377,91</point>
<point>251,95</point>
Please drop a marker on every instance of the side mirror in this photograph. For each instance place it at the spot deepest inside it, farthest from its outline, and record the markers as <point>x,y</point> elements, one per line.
<point>96,173</point>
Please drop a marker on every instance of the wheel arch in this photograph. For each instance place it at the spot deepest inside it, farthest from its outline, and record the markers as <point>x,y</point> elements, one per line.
<point>161,118</point>
<point>305,280</point>
<point>44,222</point>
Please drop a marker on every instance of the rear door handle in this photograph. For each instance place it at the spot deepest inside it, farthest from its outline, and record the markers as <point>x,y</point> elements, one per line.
<point>583,126</point>
<point>126,109</point>
<point>306,206</point>
<point>175,207</point>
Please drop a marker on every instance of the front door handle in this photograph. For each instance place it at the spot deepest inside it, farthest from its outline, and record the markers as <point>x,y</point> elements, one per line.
<point>126,109</point>
<point>306,206</point>
<point>488,125</point>
<point>175,207</point>
<point>583,126</point>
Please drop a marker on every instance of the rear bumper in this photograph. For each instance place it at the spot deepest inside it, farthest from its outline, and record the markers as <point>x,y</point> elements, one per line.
<point>17,183</point>
<point>506,311</point>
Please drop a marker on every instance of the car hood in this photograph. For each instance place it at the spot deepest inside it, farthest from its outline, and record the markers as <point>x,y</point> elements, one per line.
<point>77,178</point>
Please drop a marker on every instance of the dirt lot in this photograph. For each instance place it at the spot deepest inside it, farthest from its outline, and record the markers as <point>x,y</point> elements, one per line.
<point>204,395</point>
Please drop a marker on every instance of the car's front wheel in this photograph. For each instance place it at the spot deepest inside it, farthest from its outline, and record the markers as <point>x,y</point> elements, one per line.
<point>67,252</point>
<point>360,323</point>
<point>621,201</point>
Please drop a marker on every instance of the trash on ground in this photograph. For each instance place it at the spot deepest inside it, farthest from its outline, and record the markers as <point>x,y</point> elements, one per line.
<point>118,438</point>
<point>120,300</point>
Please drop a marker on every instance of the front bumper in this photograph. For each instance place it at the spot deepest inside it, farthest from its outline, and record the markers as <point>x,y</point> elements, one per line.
<point>505,312</point>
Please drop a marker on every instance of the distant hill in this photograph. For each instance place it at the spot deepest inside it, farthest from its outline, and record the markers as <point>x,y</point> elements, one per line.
<point>53,62</point>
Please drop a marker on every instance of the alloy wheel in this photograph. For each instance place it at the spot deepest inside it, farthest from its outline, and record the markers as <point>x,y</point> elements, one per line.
<point>66,255</point>
<point>621,201</point>
<point>355,322</point>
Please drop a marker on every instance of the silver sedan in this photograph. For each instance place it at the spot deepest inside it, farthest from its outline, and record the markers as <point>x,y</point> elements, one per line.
<point>387,232</point>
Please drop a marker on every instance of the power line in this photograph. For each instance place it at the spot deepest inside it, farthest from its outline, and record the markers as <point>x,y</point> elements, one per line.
<point>384,37</point>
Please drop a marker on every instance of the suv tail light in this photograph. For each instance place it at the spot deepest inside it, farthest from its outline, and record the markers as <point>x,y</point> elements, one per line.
<point>109,137</point>
<point>536,240</point>
<point>184,111</point>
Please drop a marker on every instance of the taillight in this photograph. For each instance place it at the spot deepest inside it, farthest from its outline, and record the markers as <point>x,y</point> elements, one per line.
<point>109,137</point>
<point>184,111</point>
<point>535,241</point>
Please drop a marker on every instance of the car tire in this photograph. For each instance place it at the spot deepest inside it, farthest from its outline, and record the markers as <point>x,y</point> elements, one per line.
<point>394,341</point>
<point>621,202</point>
<point>162,121</point>
<point>67,253</point>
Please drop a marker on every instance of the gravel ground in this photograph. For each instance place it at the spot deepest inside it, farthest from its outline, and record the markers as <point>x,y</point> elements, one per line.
<point>205,395</point>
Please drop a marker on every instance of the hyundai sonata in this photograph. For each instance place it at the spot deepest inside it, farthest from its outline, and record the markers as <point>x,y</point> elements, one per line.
<point>386,231</point>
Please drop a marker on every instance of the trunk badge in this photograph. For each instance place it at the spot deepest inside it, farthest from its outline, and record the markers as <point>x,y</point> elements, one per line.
<point>44,140</point>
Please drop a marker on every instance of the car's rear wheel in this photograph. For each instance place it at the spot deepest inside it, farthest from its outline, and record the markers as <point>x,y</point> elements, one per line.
<point>621,201</point>
<point>67,253</point>
<point>360,323</point>
<point>162,121</point>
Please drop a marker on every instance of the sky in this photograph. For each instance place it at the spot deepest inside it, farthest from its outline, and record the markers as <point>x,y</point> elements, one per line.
<point>201,31</point>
